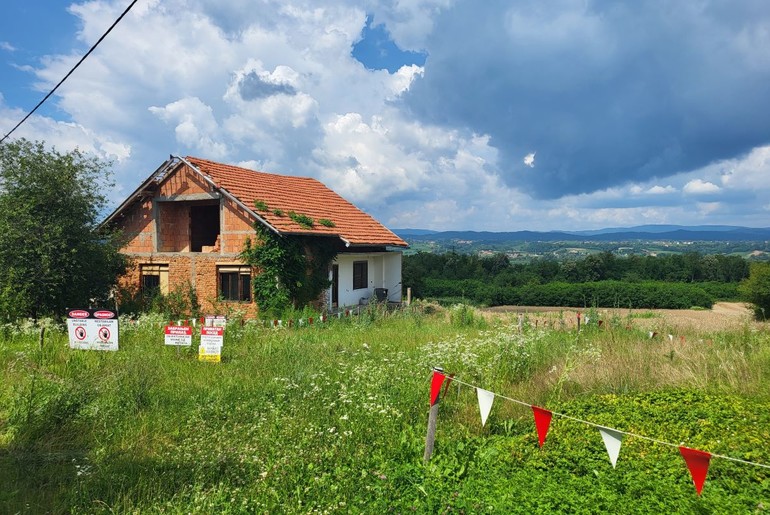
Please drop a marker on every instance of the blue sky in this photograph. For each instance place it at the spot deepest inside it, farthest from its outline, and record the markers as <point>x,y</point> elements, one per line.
<point>28,32</point>
<point>440,114</point>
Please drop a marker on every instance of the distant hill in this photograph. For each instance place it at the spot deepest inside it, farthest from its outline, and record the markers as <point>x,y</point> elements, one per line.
<point>413,232</point>
<point>657,229</point>
<point>641,233</point>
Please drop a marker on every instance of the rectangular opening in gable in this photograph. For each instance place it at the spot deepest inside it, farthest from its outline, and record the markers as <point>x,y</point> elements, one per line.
<point>204,227</point>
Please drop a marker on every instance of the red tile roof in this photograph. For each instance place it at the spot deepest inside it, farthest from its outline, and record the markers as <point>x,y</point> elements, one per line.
<point>304,196</point>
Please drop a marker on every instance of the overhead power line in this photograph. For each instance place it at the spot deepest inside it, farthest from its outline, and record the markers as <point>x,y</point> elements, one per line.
<point>72,70</point>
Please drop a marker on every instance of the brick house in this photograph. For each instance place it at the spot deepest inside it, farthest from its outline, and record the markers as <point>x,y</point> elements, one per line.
<point>186,224</point>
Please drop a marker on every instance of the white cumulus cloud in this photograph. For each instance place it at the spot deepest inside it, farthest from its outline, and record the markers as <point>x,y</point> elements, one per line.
<point>195,125</point>
<point>661,190</point>
<point>700,187</point>
<point>529,159</point>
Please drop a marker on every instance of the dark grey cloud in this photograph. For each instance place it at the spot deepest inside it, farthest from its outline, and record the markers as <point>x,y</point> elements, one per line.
<point>252,87</point>
<point>605,92</point>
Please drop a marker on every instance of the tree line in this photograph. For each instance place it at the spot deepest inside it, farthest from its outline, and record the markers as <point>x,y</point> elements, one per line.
<point>603,279</point>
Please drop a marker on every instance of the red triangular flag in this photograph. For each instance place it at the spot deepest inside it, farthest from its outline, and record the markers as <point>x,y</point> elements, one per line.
<point>435,386</point>
<point>542,422</point>
<point>698,463</point>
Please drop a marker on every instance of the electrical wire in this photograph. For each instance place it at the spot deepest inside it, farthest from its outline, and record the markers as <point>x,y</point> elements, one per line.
<point>71,70</point>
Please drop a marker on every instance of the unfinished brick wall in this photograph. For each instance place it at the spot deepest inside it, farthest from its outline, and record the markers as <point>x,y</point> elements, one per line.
<point>174,227</point>
<point>237,226</point>
<point>138,228</point>
<point>183,182</point>
<point>172,231</point>
<point>196,269</point>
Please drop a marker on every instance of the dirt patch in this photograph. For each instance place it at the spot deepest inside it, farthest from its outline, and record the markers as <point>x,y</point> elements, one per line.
<point>723,316</point>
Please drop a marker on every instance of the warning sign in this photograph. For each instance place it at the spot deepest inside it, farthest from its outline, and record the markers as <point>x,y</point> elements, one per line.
<point>92,329</point>
<point>216,320</point>
<point>179,335</point>
<point>212,339</point>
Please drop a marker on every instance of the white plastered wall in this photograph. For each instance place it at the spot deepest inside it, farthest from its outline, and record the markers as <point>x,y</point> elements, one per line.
<point>384,271</point>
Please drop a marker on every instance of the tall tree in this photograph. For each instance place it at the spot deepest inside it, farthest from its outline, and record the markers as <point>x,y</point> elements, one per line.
<point>756,289</point>
<point>52,254</point>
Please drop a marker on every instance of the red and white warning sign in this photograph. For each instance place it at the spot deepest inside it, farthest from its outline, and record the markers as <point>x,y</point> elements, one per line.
<point>179,335</point>
<point>92,329</point>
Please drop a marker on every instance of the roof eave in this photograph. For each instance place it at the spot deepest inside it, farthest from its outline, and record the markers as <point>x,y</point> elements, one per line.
<point>164,168</point>
<point>378,244</point>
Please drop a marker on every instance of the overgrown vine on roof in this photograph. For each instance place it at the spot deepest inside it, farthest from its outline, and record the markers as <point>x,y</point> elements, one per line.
<point>292,271</point>
<point>304,221</point>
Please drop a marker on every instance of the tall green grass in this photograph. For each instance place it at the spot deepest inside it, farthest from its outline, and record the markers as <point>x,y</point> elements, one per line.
<point>331,418</point>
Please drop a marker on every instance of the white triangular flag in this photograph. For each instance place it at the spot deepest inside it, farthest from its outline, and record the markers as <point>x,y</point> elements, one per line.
<point>485,403</point>
<point>612,439</point>
<point>588,319</point>
<point>671,337</point>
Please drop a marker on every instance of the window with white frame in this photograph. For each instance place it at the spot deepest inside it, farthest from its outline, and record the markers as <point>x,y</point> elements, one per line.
<point>235,283</point>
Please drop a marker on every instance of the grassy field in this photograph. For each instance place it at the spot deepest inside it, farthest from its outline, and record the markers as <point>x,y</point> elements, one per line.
<point>332,418</point>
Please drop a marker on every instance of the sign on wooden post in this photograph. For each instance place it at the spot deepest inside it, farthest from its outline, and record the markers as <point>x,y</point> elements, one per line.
<point>178,335</point>
<point>212,339</point>
<point>92,329</point>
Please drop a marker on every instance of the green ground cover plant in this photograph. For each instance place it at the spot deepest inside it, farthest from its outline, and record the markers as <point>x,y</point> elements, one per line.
<point>331,418</point>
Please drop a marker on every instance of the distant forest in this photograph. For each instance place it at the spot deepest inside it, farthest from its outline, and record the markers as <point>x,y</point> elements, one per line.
<point>600,280</point>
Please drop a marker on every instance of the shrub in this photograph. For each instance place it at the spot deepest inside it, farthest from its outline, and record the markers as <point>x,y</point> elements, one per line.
<point>462,315</point>
<point>756,289</point>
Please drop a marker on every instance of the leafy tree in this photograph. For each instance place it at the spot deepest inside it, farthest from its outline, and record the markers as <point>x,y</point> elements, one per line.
<point>756,289</point>
<point>495,264</point>
<point>293,271</point>
<point>52,253</point>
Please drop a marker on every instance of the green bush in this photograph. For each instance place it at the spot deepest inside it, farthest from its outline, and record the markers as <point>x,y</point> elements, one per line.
<point>756,289</point>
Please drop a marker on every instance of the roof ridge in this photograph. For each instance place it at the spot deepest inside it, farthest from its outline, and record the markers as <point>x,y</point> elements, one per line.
<point>251,170</point>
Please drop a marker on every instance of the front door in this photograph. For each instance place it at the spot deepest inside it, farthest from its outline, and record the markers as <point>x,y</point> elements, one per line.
<point>335,285</point>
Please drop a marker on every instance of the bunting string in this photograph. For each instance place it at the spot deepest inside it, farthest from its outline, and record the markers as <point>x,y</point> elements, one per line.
<point>599,426</point>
